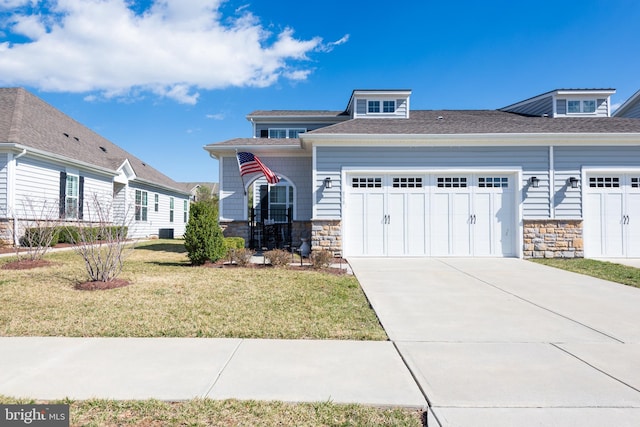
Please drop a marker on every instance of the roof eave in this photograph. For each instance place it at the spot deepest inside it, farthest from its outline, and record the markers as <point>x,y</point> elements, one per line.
<point>486,139</point>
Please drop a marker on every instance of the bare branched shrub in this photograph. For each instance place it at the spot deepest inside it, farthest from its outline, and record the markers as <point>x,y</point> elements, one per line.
<point>242,257</point>
<point>321,259</point>
<point>102,244</point>
<point>278,257</point>
<point>37,228</point>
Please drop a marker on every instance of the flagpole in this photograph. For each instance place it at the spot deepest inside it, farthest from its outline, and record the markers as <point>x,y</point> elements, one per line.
<point>240,171</point>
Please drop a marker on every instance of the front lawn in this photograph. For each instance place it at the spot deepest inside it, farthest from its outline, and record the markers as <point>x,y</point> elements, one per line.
<point>106,413</point>
<point>601,269</point>
<point>170,298</point>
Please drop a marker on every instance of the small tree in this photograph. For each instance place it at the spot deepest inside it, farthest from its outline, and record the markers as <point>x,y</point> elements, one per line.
<point>203,237</point>
<point>102,244</point>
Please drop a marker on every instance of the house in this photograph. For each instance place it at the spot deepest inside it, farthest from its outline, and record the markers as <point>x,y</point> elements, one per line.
<point>194,189</point>
<point>551,176</point>
<point>630,108</point>
<point>53,167</point>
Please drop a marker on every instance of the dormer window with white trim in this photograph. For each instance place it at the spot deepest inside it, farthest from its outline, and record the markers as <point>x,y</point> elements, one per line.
<point>581,106</point>
<point>285,132</point>
<point>377,106</point>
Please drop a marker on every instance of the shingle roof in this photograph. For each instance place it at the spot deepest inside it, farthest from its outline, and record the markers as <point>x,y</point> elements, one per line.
<point>29,121</point>
<point>296,113</point>
<point>258,141</point>
<point>425,122</point>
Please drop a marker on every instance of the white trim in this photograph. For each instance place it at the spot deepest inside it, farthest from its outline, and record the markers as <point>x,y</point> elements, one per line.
<point>515,172</point>
<point>485,140</point>
<point>314,180</point>
<point>552,183</point>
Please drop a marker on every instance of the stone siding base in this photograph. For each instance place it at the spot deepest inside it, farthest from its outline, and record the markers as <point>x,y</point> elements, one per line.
<point>553,239</point>
<point>327,235</point>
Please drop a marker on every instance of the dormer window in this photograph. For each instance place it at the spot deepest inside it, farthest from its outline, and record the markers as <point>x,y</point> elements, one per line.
<point>376,106</point>
<point>285,132</point>
<point>575,106</point>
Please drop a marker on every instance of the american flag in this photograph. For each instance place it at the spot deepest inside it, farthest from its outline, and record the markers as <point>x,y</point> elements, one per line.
<point>250,164</point>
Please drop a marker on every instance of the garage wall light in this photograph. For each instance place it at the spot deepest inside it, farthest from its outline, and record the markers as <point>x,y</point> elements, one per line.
<point>573,181</point>
<point>327,182</point>
<point>534,182</point>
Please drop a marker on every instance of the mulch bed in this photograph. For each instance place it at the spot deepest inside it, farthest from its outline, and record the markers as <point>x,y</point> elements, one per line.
<point>26,264</point>
<point>101,286</point>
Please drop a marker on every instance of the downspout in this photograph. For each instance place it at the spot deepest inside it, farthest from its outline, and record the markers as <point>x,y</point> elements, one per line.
<point>16,240</point>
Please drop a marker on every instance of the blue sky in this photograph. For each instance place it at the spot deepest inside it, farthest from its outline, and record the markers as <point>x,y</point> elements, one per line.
<point>164,78</point>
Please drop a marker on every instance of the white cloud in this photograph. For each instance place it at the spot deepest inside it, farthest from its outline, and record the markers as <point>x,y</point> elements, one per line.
<point>173,49</point>
<point>615,106</point>
<point>216,116</point>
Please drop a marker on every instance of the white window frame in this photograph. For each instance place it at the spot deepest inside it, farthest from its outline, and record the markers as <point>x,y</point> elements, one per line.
<point>381,105</point>
<point>185,211</point>
<point>141,206</point>
<point>71,198</point>
<point>287,132</point>
<point>156,202</point>
<point>581,104</point>
<point>171,208</point>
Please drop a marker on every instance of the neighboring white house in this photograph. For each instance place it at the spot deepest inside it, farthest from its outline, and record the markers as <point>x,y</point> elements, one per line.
<point>51,165</point>
<point>552,176</point>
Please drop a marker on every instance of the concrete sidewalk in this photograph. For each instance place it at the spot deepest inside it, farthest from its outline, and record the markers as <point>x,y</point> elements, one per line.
<point>367,372</point>
<point>506,342</point>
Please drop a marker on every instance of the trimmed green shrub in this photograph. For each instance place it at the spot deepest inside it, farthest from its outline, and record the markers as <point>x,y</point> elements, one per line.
<point>234,242</point>
<point>40,236</point>
<point>203,237</point>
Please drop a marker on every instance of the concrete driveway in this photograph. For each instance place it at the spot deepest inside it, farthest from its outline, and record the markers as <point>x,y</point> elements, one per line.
<point>504,342</point>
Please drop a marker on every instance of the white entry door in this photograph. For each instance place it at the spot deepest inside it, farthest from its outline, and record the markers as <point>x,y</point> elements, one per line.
<point>430,215</point>
<point>612,215</point>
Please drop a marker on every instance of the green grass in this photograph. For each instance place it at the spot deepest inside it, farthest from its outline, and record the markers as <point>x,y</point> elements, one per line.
<point>169,298</point>
<point>107,413</point>
<point>600,269</point>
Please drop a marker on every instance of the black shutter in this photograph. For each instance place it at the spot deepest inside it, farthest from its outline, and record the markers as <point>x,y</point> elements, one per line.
<point>81,198</point>
<point>63,194</point>
<point>264,202</point>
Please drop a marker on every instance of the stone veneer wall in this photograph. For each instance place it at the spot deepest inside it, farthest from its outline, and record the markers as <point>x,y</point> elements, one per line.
<point>326,235</point>
<point>549,238</point>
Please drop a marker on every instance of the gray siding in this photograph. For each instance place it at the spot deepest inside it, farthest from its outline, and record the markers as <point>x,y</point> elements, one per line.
<point>569,162</point>
<point>298,170</point>
<point>4,170</point>
<point>633,112</point>
<point>535,108</point>
<point>361,107</point>
<point>534,161</point>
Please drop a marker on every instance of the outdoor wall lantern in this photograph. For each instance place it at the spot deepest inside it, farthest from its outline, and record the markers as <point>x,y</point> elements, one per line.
<point>574,182</point>
<point>327,182</point>
<point>534,181</point>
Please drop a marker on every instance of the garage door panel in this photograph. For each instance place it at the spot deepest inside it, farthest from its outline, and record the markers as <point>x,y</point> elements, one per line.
<point>433,215</point>
<point>417,220</point>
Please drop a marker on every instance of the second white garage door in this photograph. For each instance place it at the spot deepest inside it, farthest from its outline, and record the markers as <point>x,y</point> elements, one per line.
<point>430,215</point>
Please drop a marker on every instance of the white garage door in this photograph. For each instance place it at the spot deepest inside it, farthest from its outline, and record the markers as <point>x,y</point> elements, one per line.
<point>430,215</point>
<point>612,215</point>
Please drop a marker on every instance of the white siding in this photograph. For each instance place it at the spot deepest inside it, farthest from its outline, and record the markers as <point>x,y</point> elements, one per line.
<point>534,161</point>
<point>160,219</point>
<point>4,170</point>
<point>296,169</point>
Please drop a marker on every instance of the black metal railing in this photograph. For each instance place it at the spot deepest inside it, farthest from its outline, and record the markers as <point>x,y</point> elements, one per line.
<point>270,230</point>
